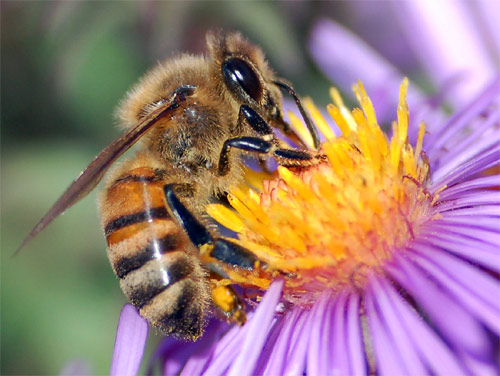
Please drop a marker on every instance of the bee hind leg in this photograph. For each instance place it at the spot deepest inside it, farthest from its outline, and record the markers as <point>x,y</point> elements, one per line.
<point>225,298</point>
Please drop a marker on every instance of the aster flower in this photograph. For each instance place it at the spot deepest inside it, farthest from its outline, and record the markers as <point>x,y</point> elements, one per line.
<point>383,259</point>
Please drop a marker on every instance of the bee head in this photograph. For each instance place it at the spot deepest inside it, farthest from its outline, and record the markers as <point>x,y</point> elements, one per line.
<point>245,72</point>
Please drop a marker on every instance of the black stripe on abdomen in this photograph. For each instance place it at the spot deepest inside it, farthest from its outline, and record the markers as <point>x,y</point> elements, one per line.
<point>177,270</point>
<point>186,316</point>
<point>130,219</point>
<point>153,250</point>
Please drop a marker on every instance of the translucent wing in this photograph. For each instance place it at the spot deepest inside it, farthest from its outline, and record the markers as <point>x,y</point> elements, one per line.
<point>94,172</point>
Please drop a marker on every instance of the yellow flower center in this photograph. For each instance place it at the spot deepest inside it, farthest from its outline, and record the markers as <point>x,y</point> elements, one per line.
<point>326,226</point>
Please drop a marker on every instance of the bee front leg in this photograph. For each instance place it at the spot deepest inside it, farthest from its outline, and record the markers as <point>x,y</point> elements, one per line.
<point>285,157</point>
<point>266,144</point>
<point>256,121</point>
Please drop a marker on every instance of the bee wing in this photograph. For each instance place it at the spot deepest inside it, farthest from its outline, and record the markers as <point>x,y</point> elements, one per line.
<point>92,175</point>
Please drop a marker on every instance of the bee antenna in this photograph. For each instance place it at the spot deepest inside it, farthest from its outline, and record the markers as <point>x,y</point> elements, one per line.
<point>312,129</point>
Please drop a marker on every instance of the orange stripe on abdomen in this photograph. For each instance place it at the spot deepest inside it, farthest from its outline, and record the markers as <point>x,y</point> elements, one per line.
<point>132,193</point>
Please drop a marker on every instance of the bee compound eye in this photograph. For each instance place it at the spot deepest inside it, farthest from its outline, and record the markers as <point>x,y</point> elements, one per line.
<point>239,74</point>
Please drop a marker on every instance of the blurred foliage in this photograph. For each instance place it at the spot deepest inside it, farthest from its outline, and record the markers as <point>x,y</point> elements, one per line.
<point>64,67</point>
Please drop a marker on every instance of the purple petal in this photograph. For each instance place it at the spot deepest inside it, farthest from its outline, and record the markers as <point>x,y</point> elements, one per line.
<point>354,347</point>
<point>459,159</point>
<point>488,226</point>
<point>485,254</point>
<point>340,355</point>
<point>476,212</point>
<point>444,312</point>
<point>483,146</point>
<point>396,330</point>
<point>459,121</point>
<point>473,295</point>
<point>227,349</point>
<point>316,364</point>
<point>388,361</point>
<point>257,330</point>
<point>478,366</point>
<point>163,347</point>
<point>466,233</point>
<point>489,23</point>
<point>327,350</point>
<point>202,349</point>
<point>480,163</point>
<point>480,283</point>
<point>483,136</point>
<point>297,354</point>
<point>176,355</point>
<point>277,359</point>
<point>447,48</point>
<point>470,199</point>
<point>476,362</point>
<point>328,43</point>
<point>478,183</point>
<point>432,349</point>
<point>272,338</point>
<point>130,342</point>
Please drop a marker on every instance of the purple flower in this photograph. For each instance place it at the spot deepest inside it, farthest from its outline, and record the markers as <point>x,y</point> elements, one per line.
<point>429,304</point>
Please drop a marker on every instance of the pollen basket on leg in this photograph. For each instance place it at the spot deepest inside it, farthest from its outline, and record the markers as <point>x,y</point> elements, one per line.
<point>327,226</point>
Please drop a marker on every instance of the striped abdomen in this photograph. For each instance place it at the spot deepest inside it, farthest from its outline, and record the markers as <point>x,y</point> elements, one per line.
<point>157,266</point>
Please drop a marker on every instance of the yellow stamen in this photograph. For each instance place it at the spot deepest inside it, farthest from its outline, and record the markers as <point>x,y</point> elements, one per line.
<point>301,130</point>
<point>420,140</point>
<point>336,114</point>
<point>319,120</point>
<point>255,178</point>
<point>252,202</point>
<point>366,103</point>
<point>225,217</point>
<point>337,99</point>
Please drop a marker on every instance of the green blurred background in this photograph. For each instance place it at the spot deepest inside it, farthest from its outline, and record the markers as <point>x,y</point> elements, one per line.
<point>64,67</point>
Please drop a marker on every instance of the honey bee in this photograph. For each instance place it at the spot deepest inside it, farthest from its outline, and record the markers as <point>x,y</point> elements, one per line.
<point>195,116</point>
